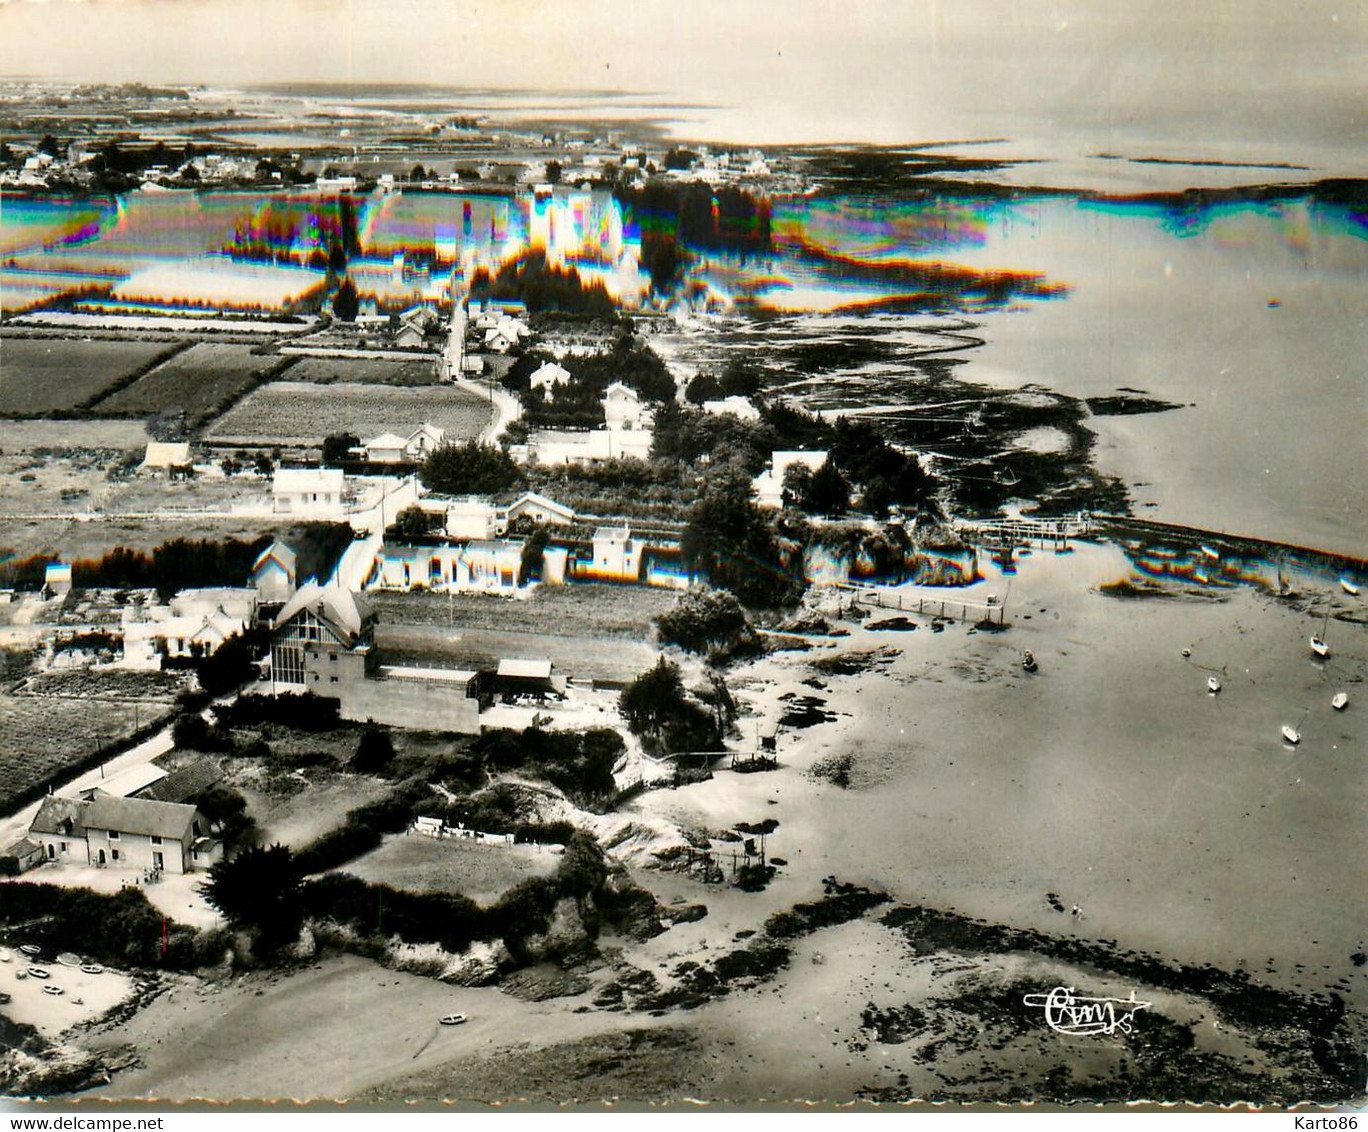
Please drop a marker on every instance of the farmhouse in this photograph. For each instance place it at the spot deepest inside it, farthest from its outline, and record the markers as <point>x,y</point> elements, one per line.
<point>769,484</point>
<point>137,833</point>
<point>313,493</point>
<point>274,575</point>
<point>131,833</point>
<point>498,341</point>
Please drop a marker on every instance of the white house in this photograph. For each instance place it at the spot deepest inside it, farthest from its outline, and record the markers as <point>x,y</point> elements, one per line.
<point>387,448</point>
<point>617,556</point>
<point>131,833</point>
<point>552,447</point>
<point>547,376</point>
<point>490,566</point>
<point>769,484</point>
<point>498,341</point>
<point>540,509</point>
<point>274,575</point>
<point>622,408</point>
<point>732,407</point>
<point>473,518</point>
<point>313,493</point>
<point>423,439</point>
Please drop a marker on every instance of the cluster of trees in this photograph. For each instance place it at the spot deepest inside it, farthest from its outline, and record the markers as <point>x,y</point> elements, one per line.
<point>580,764</point>
<point>738,379</point>
<point>262,890</point>
<point>414,525</point>
<point>196,563</point>
<point>710,622</point>
<point>578,402</point>
<point>543,287</point>
<point>470,468</point>
<point>676,216</point>
<point>668,718</point>
<point>733,543</point>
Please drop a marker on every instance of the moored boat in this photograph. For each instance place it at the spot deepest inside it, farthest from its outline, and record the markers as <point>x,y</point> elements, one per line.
<point>1340,701</point>
<point>1291,734</point>
<point>1213,685</point>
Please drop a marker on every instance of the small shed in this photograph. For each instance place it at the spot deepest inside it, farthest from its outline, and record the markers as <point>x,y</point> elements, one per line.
<point>517,677</point>
<point>21,856</point>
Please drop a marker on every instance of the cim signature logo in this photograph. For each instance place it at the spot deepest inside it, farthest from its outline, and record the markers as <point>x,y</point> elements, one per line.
<point>1068,1013</point>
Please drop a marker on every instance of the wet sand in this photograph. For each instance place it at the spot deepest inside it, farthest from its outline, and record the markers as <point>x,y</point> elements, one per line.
<point>1179,822</point>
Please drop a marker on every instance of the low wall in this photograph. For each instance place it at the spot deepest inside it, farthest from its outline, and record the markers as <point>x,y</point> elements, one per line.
<point>418,704</point>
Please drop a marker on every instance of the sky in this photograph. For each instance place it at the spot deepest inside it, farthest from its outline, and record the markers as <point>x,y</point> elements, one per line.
<point>1281,72</point>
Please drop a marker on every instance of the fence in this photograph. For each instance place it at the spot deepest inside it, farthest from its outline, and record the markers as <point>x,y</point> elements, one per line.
<point>947,609</point>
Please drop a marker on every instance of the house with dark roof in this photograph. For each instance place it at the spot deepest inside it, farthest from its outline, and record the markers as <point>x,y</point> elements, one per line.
<point>185,783</point>
<point>138,833</point>
<point>59,829</point>
<point>21,856</point>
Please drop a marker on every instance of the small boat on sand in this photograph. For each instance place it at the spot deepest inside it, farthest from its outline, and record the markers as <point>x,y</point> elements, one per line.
<point>1028,661</point>
<point>1340,701</point>
<point>1213,685</point>
<point>30,948</point>
<point>53,988</point>
<point>1291,734</point>
<point>1348,587</point>
<point>1318,642</point>
<point>39,972</point>
<point>93,969</point>
<point>452,1019</point>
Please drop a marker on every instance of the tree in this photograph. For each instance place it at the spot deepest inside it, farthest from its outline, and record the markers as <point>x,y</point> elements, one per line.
<point>828,493</point>
<point>703,387</point>
<point>50,145</point>
<point>471,468</point>
<point>418,173</point>
<point>346,304</point>
<point>226,811</point>
<point>258,889</point>
<point>658,709</point>
<point>413,524</point>
<point>797,484</point>
<point>227,668</point>
<point>728,539</point>
<point>374,751</point>
<point>263,464</point>
<point>337,448</point>
<point>705,621</point>
<point>553,172</point>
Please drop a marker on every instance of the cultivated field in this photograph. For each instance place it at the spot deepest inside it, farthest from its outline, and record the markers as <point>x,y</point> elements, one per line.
<point>303,413</point>
<point>368,371</point>
<point>416,863</point>
<point>39,376</point>
<point>40,735</point>
<point>197,381</point>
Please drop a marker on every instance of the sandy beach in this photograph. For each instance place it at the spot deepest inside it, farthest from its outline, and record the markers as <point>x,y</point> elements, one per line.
<point>1110,779</point>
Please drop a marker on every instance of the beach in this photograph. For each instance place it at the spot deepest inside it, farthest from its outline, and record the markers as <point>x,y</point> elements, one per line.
<point>1177,823</point>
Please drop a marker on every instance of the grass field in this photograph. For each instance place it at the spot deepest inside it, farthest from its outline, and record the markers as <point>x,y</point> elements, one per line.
<point>107,436</point>
<point>39,376</point>
<point>303,413</point>
<point>581,610</point>
<point>368,371</point>
<point>203,377</point>
<point>40,735</point>
<point>415,863</point>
